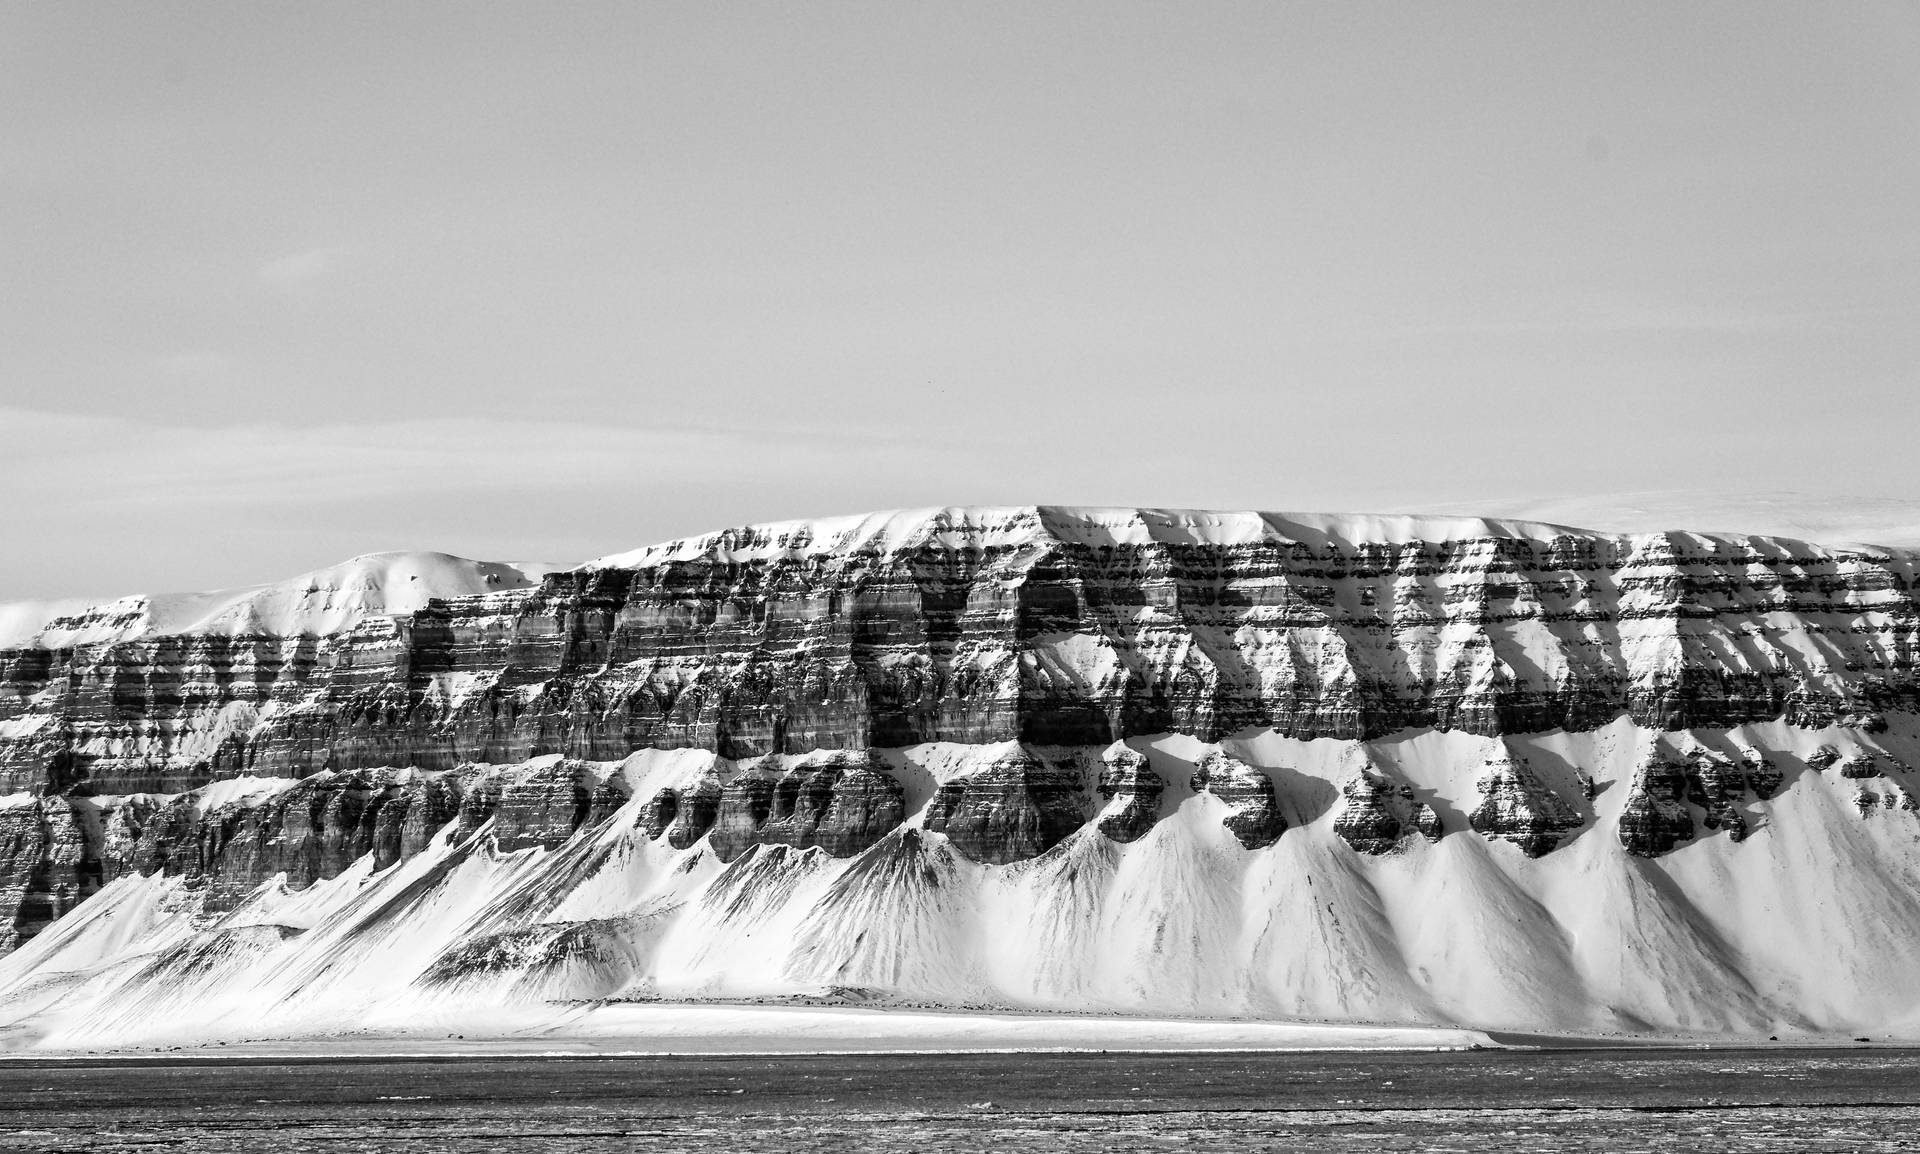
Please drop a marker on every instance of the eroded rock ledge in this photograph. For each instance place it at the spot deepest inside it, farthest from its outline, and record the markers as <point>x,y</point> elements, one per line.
<point>1518,807</point>
<point>999,805</point>
<point>1254,816</point>
<point>1037,629</point>
<point>1036,624</point>
<point>1378,813</point>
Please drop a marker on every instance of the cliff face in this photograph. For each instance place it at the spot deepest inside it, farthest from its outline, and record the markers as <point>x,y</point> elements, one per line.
<point>1377,814</point>
<point>1042,625</point>
<point>921,695</point>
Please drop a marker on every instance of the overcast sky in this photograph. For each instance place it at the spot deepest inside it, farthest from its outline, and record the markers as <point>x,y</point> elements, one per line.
<point>281,283</point>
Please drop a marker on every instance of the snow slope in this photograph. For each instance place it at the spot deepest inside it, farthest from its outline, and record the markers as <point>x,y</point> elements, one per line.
<point>1887,521</point>
<point>318,604</point>
<point>984,526</point>
<point>1805,929</point>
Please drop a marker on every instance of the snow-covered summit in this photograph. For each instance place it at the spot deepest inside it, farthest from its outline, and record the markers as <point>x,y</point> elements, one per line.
<point>1003,525</point>
<point>320,603</point>
<point>1506,775</point>
<point>1000,526</point>
<point>332,600</point>
<point>1883,521</point>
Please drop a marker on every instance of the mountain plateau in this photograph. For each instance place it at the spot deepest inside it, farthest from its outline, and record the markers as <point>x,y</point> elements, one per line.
<point>1420,770</point>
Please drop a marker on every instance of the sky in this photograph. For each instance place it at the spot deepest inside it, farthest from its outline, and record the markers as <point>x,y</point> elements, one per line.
<point>285,283</point>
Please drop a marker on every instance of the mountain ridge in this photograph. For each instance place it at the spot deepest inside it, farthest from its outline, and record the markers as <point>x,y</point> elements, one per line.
<point>20,621</point>
<point>318,602</point>
<point>1458,771</point>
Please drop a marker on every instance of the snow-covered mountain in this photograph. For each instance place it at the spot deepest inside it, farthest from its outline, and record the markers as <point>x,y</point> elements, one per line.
<point>1448,770</point>
<point>317,604</point>
<point>1834,520</point>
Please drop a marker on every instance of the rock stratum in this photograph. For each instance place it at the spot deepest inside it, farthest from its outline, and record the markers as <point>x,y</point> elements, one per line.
<point>1447,771</point>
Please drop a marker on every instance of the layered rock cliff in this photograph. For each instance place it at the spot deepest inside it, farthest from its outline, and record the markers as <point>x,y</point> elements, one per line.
<point>1045,625</point>
<point>898,716</point>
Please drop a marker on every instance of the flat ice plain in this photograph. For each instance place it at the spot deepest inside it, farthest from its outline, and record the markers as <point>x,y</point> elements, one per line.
<point>705,1028</point>
<point>1865,1099</point>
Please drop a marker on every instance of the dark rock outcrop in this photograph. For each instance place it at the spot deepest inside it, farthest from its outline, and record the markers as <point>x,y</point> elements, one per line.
<point>1656,819</point>
<point>311,830</point>
<point>1046,625</point>
<point>544,807</point>
<point>1659,813</point>
<point>843,803</point>
<point>1255,819</point>
<point>588,958</point>
<point>1132,792</point>
<point>867,803</point>
<point>1763,777</point>
<point>1376,813</point>
<point>1718,786</point>
<point>746,803</point>
<point>28,897</point>
<point>1860,766</point>
<point>1016,807</point>
<point>1046,629</point>
<point>683,815</point>
<point>1517,806</point>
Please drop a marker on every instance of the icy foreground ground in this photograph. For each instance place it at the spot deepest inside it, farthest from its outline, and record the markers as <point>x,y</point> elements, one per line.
<point>1331,1103</point>
<point>1092,778</point>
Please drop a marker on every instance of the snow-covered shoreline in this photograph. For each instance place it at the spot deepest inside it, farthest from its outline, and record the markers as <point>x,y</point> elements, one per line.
<point>665,1028</point>
<point>733,1030</point>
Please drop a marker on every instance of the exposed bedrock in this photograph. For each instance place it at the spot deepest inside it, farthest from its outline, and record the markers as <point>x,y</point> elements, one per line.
<point>843,803</point>
<point>1860,766</point>
<point>1719,787</point>
<point>29,898</point>
<point>976,626</point>
<point>997,805</point>
<point>1017,806</point>
<point>1132,792</point>
<point>1763,776</point>
<point>1254,818</point>
<point>312,830</point>
<point>683,815</point>
<point>1668,792</point>
<point>866,804</point>
<point>789,652</point>
<point>1656,819</point>
<point>1517,806</point>
<point>223,841</point>
<point>544,807</point>
<point>1377,813</point>
<point>586,959</point>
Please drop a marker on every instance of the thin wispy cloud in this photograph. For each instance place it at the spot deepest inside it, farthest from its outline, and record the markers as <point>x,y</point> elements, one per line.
<point>116,463</point>
<point>1653,320</point>
<point>193,363</point>
<point>300,268</point>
